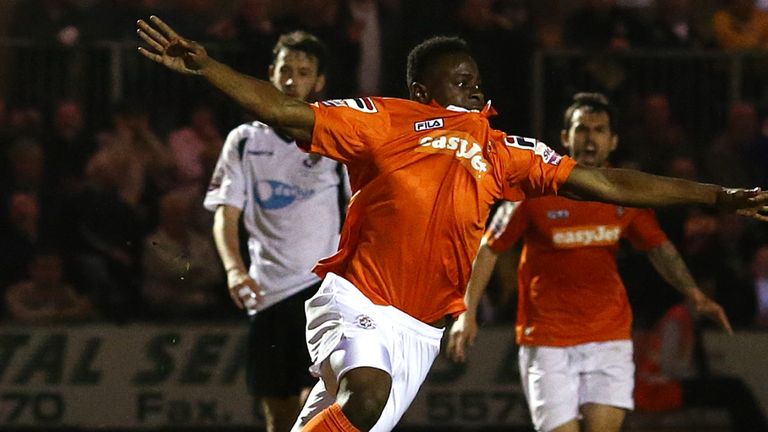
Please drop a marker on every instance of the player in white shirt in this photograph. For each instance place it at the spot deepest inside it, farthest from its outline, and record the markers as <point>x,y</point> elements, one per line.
<point>291,205</point>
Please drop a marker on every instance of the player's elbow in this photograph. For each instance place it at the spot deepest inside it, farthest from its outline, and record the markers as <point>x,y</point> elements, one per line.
<point>591,184</point>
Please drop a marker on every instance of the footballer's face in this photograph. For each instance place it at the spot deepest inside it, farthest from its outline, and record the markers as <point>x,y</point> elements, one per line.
<point>295,74</point>
<point>452,79</point>
<point>589,138</point>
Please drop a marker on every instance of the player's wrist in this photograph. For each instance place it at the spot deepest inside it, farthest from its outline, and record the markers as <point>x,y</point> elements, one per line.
<point>234,270</point>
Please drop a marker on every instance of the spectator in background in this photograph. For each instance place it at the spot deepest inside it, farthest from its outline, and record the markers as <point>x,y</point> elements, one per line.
<point>46,297</point>
<point>548,17</point>
<point>25,121</point>
<point>68,147</point>
<point>728,159</point>
<point>195,148</point>
<point>656,138</point>
<point>49,21</point>
<point>602,24</point>
<point>133,137</point>
<point>739,25</point>
<point>102,226</point>
<point>674,26</point>
<point>181,276</point>
<point>27,166</point>
<point>21,233</point>
<point>759,267</point>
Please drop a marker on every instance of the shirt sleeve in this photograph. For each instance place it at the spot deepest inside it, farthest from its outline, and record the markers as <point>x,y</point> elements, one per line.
<point>347,130</point>
<point>227,185</point>
<point>509,223</point>
<point>532,168</point>
<point>644,231</point>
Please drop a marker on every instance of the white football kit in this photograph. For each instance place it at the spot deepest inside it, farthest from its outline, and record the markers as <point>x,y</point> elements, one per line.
<point>291,206</point>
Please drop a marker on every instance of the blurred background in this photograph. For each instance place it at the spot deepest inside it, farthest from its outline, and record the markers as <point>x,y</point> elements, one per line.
<point>111,287</point>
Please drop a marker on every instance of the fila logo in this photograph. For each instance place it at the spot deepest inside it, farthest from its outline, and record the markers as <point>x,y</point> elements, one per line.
<point>596,235</point>
<point>428,124</point>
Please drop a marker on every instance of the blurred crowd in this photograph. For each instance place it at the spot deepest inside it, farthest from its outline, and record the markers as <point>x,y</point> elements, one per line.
<point>103,220</point>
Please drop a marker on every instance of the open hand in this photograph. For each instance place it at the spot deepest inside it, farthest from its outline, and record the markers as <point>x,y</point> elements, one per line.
<point>745,202</point>
<point>463,333</point>
<point>243,290</point>
<point>170,49</point>
<point>703,305</point>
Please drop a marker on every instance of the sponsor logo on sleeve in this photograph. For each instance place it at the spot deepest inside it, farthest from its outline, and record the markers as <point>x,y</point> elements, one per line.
<point>365,105</point>
<point>591,235</point>
<point>428,124</point>
<point>558,214</point>
<point>537,147</point>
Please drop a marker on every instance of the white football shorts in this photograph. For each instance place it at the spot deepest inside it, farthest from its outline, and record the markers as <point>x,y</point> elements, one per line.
<point>558,380</point>
<point>345,330</point>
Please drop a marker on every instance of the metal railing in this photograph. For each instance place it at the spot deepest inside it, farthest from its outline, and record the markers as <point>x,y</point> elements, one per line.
<point>699,84</point>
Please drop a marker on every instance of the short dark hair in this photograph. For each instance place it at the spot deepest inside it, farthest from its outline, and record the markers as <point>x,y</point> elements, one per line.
<point>595,102</point>
<point>305,42</point>
<point>423,55</point>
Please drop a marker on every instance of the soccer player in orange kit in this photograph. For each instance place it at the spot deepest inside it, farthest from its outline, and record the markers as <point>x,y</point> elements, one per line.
<point>574,321</point>
<point>424,174</point>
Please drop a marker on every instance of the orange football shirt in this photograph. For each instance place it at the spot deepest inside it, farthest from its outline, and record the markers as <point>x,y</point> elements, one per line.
<point>569,288</point>
<point>423,179</point>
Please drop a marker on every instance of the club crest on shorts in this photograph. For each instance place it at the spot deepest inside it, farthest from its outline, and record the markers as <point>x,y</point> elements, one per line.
<point>366,322</point>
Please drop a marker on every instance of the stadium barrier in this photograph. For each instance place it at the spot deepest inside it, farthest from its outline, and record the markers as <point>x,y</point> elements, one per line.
<point>148,376</point>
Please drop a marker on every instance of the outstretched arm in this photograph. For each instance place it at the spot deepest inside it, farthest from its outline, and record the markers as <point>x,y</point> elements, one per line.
<point>670,265</point>
<point>464,329</point>
<point>637,189</point>
<point>260,98</point>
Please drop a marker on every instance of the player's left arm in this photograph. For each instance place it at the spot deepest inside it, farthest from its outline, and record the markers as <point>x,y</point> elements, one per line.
<point>670,265</point>
<point>637,189</point>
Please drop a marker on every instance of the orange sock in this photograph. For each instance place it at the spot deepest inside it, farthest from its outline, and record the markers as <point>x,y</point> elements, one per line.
<point>331,419</point>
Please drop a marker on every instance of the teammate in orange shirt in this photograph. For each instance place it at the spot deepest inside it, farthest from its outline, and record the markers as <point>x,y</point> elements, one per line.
<point>424,175</point>
<point>574,319</point>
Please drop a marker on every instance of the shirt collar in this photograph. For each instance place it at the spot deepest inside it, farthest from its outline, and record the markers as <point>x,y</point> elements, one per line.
<point>487,111</point>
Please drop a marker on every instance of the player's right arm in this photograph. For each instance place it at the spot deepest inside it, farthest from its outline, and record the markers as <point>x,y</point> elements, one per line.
<point>226,234</point>
<point>260,98</point>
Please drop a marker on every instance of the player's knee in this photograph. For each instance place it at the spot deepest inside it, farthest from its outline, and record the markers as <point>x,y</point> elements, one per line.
<point>363,394</point>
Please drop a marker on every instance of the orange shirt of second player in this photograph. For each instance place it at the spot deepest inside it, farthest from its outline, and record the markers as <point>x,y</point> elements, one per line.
<point>423,178</point>
<point>570,291</point>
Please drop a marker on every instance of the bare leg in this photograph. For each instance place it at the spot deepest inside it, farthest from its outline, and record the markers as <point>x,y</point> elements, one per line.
<point>571,426</point>
<point>602,418</point>
<point>363,394</point>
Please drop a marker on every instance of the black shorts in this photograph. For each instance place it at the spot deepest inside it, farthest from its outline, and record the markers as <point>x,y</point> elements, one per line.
<point>278,360</point>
